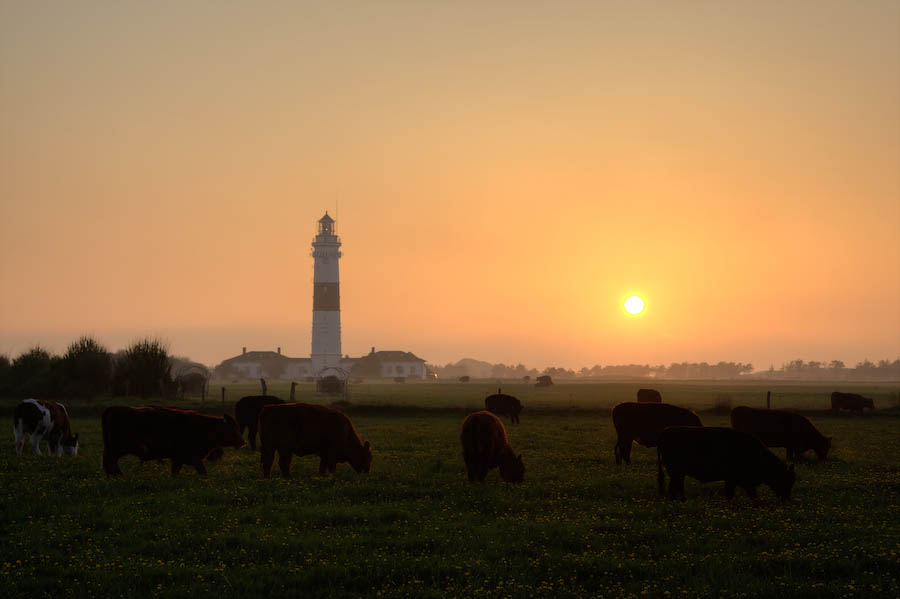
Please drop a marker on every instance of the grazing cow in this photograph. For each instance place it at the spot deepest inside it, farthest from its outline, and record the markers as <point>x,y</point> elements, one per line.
<point>44,419</point>
<point>157,433</point>
<point>717,453</point>
<point>247,410</point>
<point>642,422</point>
<point>485,446</point>
<point>850,401</point>
<point>303,429</point>
<point>649,396</point>
<point>504,405</point>
<point>779,428</point>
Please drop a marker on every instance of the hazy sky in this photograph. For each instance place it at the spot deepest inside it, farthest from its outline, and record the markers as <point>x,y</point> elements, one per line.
<point>503,175</point>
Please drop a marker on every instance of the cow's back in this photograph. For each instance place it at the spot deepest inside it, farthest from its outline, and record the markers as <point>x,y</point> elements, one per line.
<point>649,396</point>
<point>645,421</point>
<point>303,425</point>
<point>247,409</point>
<point>484,436</point>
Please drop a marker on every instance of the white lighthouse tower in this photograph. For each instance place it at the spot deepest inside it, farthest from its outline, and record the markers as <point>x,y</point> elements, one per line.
<point>326,329</point>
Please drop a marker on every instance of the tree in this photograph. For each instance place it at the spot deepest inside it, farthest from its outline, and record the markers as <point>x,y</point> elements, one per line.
<point>144,370</point>
<point>33,374</point>
<point>86,368</point>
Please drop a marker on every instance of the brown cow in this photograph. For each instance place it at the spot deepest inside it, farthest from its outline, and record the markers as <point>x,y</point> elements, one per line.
<point>850,401</point>
<point>247,410</point>
<point>485,446</point>
<point>504,405</point>
<point>649,396</point>
<point>642,422</point>
<point>710,453</point>
<point>157,433</point>
<point>780,428</point>
<point>44,419</point>
<point>303,429</point>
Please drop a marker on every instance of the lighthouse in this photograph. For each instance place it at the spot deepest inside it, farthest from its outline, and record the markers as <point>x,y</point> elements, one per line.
<point>326,328</point>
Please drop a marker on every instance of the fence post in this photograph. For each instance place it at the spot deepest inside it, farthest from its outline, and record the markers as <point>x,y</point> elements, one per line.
<point>263,383</point>
<point>768,400</point>
<point>223,397</point>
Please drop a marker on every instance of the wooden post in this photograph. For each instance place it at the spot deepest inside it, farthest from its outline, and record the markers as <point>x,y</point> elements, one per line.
<point>293,386</point>
<point>768,400</point>
<point>263,383</point>
<point>223,397</point>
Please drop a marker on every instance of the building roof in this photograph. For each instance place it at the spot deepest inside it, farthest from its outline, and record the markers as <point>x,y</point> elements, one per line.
<point>262,355</point>
<point>396,356</point>
<point>326,218</point>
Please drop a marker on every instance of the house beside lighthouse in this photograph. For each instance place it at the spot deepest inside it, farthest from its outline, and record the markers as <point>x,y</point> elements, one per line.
<point>325,355</point>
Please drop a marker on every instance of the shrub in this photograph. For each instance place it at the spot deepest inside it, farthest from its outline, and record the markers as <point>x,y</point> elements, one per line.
<point>34,374</point>
<point>144,370</point>
<point>86,368</point>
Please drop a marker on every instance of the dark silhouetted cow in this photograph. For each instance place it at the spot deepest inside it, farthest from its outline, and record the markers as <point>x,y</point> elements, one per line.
<point>503,405</point>
<point>717,453</point>
<point>649,396</point>
<point>158,433</point>
<point>850,401</point>
<point>307,429</point>
<point>247,410</point>
<point>44,420</point>
<point>486,446</point>
<point>779,428</point>
<point>642,422</point>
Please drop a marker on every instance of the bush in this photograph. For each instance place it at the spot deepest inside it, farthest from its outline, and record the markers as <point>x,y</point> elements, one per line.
<point>86,368</point>
<point>34,374</point>
<point>143,370</point>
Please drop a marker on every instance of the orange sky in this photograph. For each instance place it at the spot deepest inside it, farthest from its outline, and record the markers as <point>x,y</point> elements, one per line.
<point>503,177</point>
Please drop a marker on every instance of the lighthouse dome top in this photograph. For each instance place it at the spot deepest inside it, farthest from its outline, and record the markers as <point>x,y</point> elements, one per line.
<point>326,225</point>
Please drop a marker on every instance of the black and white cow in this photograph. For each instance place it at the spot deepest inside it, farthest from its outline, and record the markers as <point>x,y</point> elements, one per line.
<point>44,419</point>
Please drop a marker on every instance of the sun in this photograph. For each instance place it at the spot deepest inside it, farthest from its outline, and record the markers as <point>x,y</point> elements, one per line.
<point>634,305</point>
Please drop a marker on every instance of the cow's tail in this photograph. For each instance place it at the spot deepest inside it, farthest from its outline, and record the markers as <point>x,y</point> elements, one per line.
<point>660,475</point>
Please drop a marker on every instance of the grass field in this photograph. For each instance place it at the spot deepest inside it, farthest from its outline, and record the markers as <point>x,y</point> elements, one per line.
<point>578,526</point>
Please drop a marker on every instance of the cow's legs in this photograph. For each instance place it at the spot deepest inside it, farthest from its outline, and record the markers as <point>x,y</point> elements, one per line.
<point>197,463</point>
<point>267,456</point>
<point>618,453</point>
<point>36,439</point>
<point>676,485</point>
<point>729,489</point>
<point>176,466</point>
<point>18,431</point>
<point>790,454</point>
<point>253,437</point>
<point>284,462</point>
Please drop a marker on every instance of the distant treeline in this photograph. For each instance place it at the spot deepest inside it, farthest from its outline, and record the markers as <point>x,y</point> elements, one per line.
<point>88,369</point>
<point>794,370</point>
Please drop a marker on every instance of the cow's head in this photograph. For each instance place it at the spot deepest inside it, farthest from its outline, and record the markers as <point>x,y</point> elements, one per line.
<point>230,433</point>
<point>823,447</point>
<point>513,469</point>
<point>361,458</point>
<point>70,445</point>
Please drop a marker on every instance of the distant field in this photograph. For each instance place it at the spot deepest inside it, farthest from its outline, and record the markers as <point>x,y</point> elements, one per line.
<point>578,526</point>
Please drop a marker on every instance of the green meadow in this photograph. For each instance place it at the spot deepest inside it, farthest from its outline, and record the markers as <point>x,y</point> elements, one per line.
<point>414,526</point>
